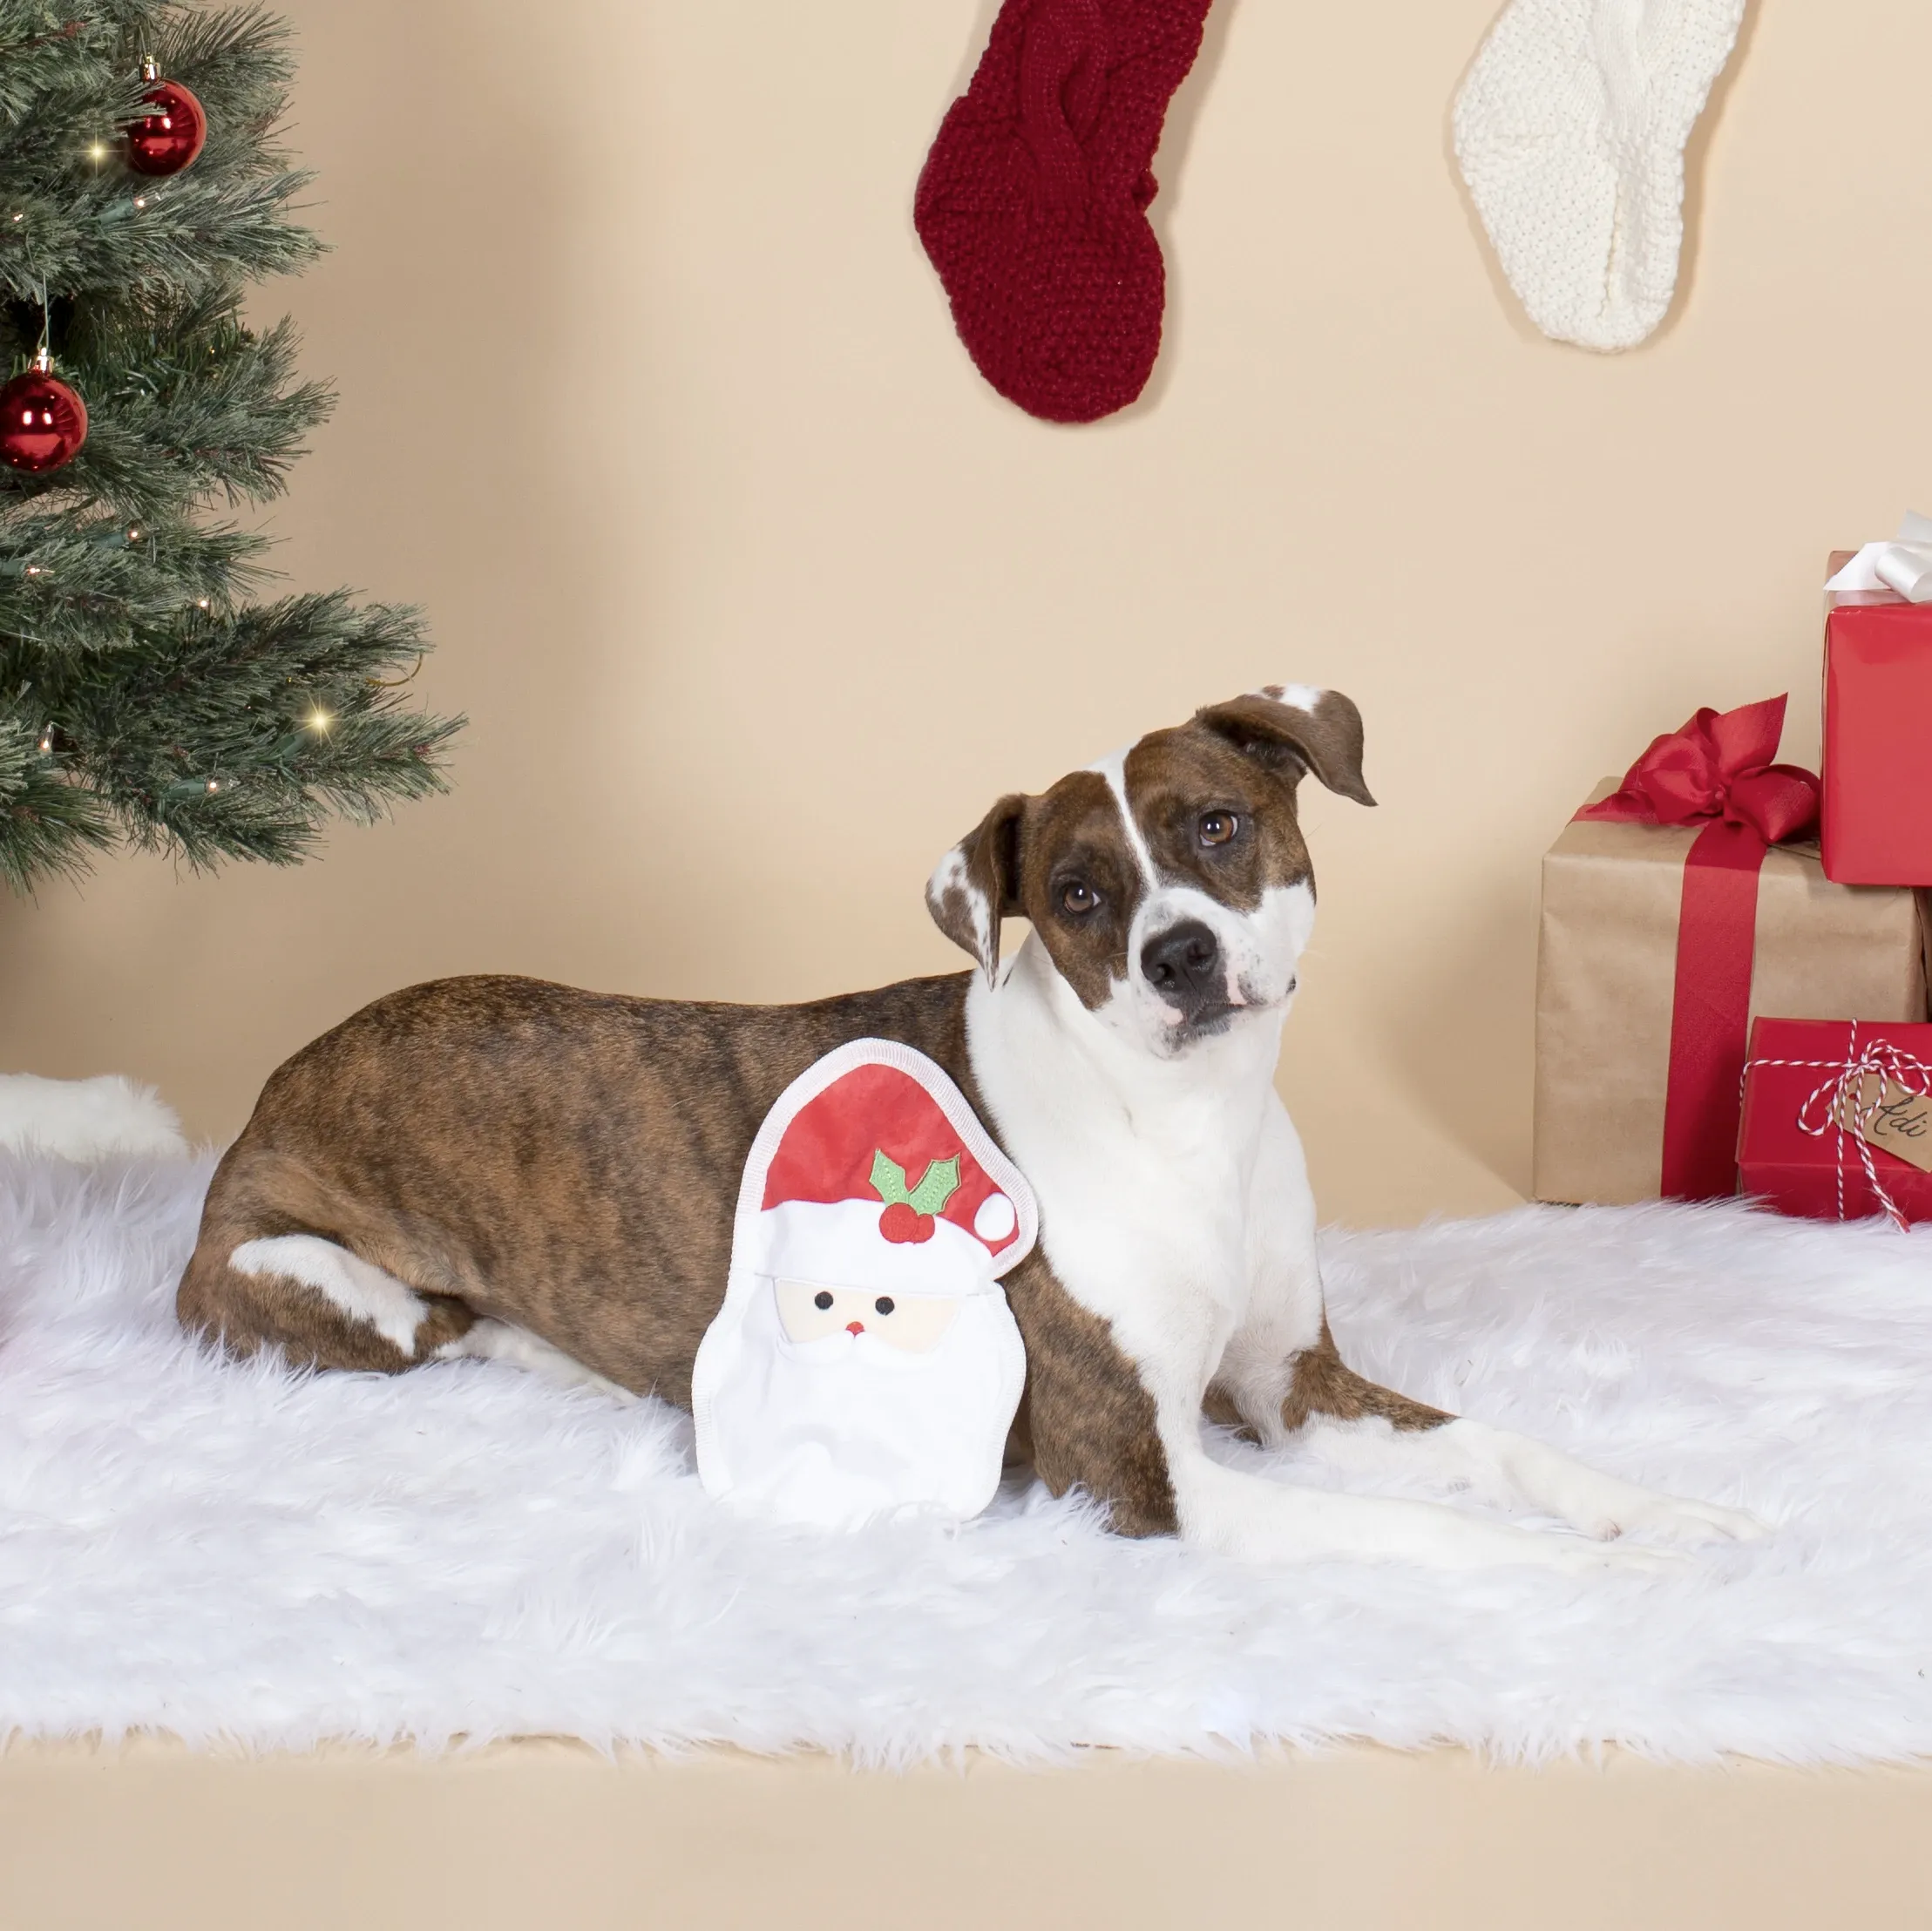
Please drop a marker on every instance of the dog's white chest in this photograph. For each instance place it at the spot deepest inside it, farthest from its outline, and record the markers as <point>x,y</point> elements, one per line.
<point>1151,1178</point>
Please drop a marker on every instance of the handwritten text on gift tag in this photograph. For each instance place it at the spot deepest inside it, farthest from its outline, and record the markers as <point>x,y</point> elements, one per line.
<point>1885,1114</point>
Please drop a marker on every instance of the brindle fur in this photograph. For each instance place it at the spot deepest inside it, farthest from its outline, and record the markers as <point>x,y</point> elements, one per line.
<point>1325,1387</point>
<point>569,1162</point>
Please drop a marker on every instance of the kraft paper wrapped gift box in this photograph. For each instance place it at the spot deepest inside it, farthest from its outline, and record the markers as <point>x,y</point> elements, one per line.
<point>1877,773</point>
<point>1607,991</point>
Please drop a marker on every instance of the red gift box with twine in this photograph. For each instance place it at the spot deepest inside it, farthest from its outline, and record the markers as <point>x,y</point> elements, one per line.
<point>1817,1093</point>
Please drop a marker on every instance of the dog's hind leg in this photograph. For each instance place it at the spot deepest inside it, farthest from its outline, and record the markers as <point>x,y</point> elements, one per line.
<point>488,1340</point>
<point>321,1304</point>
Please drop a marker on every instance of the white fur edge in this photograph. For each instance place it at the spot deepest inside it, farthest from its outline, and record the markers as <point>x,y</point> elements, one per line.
<point>107,1117</point>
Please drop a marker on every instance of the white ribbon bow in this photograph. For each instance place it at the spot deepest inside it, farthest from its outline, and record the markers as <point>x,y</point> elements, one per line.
<point>1904,564</point>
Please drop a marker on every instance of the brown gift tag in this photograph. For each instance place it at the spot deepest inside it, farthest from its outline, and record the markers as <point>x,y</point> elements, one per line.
<point>1883,1113</point>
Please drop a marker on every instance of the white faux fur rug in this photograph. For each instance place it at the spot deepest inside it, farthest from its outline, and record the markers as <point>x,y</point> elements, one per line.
<point>461,1552</point>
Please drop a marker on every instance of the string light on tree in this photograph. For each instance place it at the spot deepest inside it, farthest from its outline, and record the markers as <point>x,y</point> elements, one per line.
<point>166,141</point>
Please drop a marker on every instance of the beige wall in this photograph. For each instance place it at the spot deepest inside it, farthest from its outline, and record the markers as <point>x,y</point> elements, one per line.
<point>756,595</point>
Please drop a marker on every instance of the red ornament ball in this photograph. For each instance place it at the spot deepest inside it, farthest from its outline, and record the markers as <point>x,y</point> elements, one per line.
<point>43,423</point>
<point>166,141</point>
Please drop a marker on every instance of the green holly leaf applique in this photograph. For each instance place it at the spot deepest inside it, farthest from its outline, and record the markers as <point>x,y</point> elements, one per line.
<point>937,1185</point>
<point>889,1181</point>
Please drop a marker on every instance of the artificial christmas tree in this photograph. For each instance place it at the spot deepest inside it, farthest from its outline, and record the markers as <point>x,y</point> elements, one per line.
<point>142,696</point>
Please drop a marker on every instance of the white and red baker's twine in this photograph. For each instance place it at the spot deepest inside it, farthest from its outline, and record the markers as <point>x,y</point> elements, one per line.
<point>1842,1095</point>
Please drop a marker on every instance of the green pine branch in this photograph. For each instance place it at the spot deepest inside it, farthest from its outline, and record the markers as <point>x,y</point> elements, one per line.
<point>231,735</point>
<point>74,581</point>
<point>77,221</point>
<point>201,406</point>
<point>46,825</point>
<point>144,699</point>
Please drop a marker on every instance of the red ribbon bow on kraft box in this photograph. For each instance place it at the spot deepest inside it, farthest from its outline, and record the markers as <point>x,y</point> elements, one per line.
<point>1716,773</point>
<point>1673,909</point>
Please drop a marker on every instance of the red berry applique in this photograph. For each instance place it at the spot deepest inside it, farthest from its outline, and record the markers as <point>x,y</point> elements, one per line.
<point>903,1223</point>
<point>909,1211</point>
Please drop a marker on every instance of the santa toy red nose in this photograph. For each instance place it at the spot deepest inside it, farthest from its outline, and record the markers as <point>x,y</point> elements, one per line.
<point>854,1327</point>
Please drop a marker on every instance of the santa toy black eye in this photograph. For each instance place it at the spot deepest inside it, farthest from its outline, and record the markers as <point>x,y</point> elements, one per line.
<point>821,1300</point>
<point>1218,828</point>
<point>1079,898</point>
<point>885,1304</point>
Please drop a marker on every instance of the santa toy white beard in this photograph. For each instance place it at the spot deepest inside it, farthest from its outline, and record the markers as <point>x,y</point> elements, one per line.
<point>842,1430</point>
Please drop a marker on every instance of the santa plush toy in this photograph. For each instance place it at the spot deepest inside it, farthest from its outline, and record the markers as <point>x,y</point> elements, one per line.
<point>865,1362</point>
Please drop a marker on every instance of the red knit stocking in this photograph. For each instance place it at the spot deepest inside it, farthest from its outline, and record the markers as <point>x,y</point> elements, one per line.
<point>1033,202</point>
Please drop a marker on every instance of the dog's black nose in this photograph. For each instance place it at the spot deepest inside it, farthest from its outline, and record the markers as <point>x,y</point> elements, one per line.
<point>1183,964</point>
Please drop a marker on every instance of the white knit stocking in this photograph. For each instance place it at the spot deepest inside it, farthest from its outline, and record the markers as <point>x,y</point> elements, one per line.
<point>1569,131</point>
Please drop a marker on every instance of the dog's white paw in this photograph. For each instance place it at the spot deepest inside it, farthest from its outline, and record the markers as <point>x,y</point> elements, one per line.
<point>1572,1554</point>
<point>1680,1524</point>
<point>1573,1558</point>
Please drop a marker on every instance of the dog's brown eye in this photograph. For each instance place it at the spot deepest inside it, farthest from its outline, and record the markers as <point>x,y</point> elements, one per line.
<point>821,1301</point>
<point>885,1304</point>
<point>1078,897</point>
<point>1217,827</point>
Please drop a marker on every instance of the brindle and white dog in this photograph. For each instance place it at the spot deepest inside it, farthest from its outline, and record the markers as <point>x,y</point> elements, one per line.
<point>506,1168</point>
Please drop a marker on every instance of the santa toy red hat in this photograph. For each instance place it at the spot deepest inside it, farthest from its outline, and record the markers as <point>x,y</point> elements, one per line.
<point>873,1172</point>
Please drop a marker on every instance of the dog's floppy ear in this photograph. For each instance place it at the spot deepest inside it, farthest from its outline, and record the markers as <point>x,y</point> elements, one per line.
<point>977,883</point>
<point>1287,725</point>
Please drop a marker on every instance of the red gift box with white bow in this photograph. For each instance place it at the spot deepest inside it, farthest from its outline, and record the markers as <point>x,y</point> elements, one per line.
<point>1877,806</point>
<point>1820,1097</point>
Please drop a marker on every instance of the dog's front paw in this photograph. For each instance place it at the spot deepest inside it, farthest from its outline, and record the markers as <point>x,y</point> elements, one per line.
<point>1680,1524</point>
<point>1572,1555</point>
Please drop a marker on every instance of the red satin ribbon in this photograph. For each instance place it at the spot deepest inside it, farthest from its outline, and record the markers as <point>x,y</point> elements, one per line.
<point>1716,771</point>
